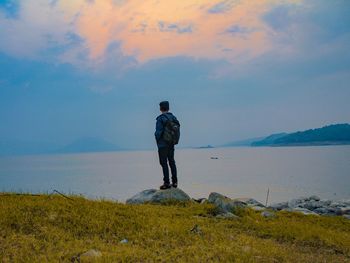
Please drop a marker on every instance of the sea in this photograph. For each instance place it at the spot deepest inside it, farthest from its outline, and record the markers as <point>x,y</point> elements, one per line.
<point>272,174</point>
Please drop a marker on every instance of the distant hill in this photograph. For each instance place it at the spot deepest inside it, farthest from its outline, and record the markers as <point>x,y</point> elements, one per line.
<point>88,144</point>
<point>269,139</point>
<point>246,142</point>
<point>205,147</point>
<point>329,135</point>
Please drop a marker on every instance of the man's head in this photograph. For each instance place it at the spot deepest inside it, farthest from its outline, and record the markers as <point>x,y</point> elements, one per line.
<point>164,106</point>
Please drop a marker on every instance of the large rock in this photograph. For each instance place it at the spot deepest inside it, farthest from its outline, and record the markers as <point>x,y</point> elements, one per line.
<point>223,203</point>
<point>301,210</point>
<point>158,196</point>
<point>250,202</point>
<point>90,254</point>
<point>279,206</point>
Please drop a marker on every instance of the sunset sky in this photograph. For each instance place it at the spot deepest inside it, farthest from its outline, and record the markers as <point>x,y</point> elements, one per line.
<point>231,69</point>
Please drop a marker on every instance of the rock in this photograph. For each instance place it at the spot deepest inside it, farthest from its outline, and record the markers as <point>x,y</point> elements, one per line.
<point>345,210</point>
<point>268,214</point>
<point>223,203</point>
<point>346,216</point>
<point>279,206</point>
<point>337,204</point>
<point>196,230</point>
<point>335,211</point>
<point>329,211</point>
<point>314,198</point>
<point>52,216</point>
<point>171,194</point>
<point>312,205</point>
<point>227,215</point>
<point>142,197</point>
<point>124,241</point>
<point>321,211</point>
<point>257,208</point>
<point>90,254</point>
<point>159,196</point>
<point>250,202</point>
<point>296,202</point>
<point>200,200</point>
<point>301,210</point>
<point>326,202</point>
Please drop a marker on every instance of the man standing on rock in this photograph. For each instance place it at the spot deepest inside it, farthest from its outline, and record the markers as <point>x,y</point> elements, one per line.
<point>167,135</point>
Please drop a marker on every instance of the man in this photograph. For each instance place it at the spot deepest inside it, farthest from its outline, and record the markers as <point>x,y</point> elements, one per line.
<point>165,148</point>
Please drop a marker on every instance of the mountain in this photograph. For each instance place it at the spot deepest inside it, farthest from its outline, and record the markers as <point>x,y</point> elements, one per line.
<point>205,147</point>
<point>89,144</point>
<point>269,139</point>
<point>335,134</point>
<point>246,142</point>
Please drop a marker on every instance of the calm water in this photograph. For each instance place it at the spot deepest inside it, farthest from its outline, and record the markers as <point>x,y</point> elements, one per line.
<point>238,172</point>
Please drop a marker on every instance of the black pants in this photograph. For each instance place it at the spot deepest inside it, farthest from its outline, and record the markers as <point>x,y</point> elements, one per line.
<point>167,154</point>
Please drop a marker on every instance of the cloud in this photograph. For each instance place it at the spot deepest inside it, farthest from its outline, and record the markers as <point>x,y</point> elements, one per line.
<point>238,30</point>
<point>223,6</point>
<point>81,32</point>
<point>174,27</point>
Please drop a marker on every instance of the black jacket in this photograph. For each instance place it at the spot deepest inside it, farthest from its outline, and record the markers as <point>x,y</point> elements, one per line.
<point>161,120</point>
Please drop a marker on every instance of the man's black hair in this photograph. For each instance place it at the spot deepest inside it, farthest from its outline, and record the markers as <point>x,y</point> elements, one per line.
<point>164,105</point>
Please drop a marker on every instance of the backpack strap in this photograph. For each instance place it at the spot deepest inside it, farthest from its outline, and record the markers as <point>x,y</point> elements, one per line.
<point>166,116</point>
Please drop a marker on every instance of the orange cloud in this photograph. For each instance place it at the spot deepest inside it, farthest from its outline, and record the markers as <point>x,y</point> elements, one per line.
<point>151,29</point>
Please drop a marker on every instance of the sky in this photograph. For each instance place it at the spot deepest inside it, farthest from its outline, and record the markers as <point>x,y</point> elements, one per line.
<point>231,69</point>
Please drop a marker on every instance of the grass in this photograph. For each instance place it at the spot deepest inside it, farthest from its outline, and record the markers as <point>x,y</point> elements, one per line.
<point>50,228</point>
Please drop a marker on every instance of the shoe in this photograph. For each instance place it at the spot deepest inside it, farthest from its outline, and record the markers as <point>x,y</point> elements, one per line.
<point>164,186</point>
<point>174,185</point>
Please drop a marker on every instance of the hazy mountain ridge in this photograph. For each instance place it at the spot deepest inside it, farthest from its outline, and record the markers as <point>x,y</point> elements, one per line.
<point>89,144</point>
<point>335,134</point>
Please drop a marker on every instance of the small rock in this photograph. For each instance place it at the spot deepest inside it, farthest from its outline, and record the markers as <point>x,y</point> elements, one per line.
<point>257,208</point>
<point>124,241</point>
<point>92,253</point>
<point>345,210</point>
<point>223,203</point>
<point>249,201</point>
<point>227,215</point>
<point>267,214</point>
<point>246,248</point>
<point>52,216</point>
<point>312,205</point>
<point>337,204</point>
<point>314,198</point>
<point>200,200</point>
<point>301,210</point>
<point>296,202</point>
<point>321,211</point>
<point>196,230</point>
<point>346,216</point>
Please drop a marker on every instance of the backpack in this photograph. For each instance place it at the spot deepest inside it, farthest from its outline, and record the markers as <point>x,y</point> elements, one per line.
<point>171,133</point>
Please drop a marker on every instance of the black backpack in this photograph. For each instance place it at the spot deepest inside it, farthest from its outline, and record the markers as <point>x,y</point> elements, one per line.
<point>171,132</point>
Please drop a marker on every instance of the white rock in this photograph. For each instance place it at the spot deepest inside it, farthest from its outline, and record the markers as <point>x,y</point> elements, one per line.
<point>267,214</point>
<point>159,196</point>
<point>92,253</point>
<point>302,210</point>
<point>227,215</point>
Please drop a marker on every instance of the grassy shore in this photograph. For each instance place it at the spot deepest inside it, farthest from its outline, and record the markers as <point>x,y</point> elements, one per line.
<point>51,228</point>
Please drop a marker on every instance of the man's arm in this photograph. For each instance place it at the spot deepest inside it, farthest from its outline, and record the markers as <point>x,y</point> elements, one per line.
<point>159,129</point>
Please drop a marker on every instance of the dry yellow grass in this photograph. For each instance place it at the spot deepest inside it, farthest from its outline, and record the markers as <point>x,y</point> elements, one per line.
<point>54,229</point>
